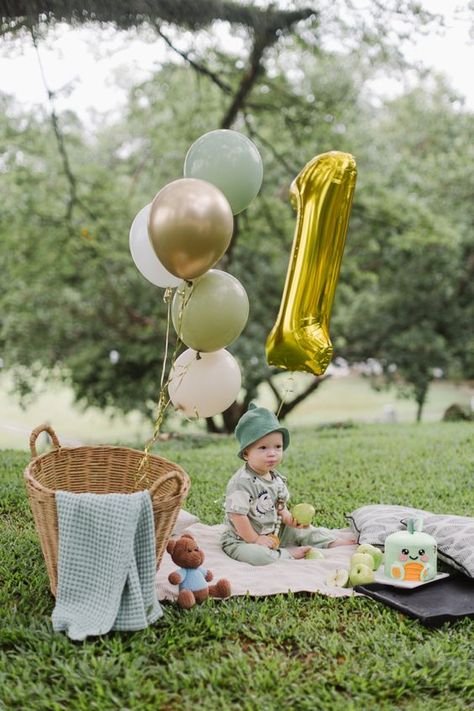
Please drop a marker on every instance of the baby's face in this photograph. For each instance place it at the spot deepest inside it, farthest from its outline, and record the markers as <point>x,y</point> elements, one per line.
<point>266,453</point>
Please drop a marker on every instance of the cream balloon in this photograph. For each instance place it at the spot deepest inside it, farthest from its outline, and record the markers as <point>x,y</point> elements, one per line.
<point>204,384</point>
<point>190,226</point>
<point>144,255</point>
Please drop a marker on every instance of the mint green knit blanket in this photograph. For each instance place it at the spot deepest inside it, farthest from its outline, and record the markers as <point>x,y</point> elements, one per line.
<point>106,564</point>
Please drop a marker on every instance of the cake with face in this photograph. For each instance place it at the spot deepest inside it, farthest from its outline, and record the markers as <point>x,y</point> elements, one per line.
<point>410,555</point>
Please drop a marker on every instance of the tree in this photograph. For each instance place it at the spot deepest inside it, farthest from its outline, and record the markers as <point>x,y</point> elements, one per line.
<point>409,303</point>
<point>294,102</point>
<point>82,276</point>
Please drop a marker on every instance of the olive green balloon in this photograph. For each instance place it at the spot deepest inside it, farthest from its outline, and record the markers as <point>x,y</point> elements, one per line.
<point>230,161</point>
<point>190,226</point>
<point>212,312</point>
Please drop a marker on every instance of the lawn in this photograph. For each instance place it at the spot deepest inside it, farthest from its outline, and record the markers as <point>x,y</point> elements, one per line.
<point>337,399</point>
<point>285,652</point>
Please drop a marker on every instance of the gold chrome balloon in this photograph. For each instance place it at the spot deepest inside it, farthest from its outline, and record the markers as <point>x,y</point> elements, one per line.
<point>322,195</point>
<point>190,226</point>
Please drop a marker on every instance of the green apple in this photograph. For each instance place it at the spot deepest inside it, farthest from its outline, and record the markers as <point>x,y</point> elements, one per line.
<point>376,554</point>
<point>361,574</point>
<point>364,559</point>
<point>338,578</point>
<point>314,554</point>
<point>303,514</point>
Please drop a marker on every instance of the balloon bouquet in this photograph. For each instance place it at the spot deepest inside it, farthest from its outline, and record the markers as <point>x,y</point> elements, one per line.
<point>175,241</point>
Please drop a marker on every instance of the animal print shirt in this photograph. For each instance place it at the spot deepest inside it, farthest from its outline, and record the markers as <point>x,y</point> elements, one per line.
<point>250,494</point>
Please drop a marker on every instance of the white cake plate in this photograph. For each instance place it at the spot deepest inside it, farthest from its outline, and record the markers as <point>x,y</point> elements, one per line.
<point>380,577</point>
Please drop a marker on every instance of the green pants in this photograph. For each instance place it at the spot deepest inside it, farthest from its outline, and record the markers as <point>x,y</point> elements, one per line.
<point>254,554</point>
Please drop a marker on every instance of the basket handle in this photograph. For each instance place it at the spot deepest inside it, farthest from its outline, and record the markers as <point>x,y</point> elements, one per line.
<point>35,434</point>
<point>174,474</point>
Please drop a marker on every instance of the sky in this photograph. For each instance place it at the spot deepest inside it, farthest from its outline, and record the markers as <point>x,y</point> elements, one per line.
<point>89,72</point>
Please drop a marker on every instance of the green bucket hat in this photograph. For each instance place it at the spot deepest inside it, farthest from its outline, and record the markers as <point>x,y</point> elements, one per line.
<point>256,423</point>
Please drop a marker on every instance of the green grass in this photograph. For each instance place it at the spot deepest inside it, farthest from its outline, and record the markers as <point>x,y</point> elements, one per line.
<point>336,400</point>
<point>286,652</point>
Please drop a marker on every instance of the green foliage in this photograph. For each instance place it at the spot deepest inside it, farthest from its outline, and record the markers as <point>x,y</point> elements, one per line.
<point>405,295</point>
<point>457,413</point>
<point>286,651</point>
<point>410,264</point>
<point>86,292</point>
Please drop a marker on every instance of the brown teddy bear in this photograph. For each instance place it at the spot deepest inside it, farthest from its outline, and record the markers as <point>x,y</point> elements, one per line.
<point>191,578</point>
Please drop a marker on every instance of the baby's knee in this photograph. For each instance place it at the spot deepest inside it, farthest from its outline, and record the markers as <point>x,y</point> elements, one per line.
<point>261,555</point>
<point>251,553</point>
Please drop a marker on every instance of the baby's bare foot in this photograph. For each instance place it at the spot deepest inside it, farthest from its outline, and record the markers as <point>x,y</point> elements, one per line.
<point>342,542</point>
<point>299,551</point>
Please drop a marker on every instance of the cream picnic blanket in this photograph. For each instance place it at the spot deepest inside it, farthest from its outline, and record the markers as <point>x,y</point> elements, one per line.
<point>280,577</point>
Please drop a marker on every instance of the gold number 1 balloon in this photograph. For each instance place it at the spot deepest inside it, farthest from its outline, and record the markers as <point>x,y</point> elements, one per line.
<point>322,195</point>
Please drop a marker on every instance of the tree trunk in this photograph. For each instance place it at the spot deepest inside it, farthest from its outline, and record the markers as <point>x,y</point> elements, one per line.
<point>211,426</point>
<point>421,393</point>
<point>230,416</point>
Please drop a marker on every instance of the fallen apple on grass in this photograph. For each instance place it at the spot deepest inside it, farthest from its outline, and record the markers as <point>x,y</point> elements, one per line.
<point>303,514</point>
<point>338,578</point>
<point>376,554</point>
<point>361,574</point>
<point>314,554</point>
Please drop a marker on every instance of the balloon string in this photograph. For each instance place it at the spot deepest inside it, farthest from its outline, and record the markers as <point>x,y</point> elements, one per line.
<point>288,387</point>
<point>167,299</point>
<point>163,399</point>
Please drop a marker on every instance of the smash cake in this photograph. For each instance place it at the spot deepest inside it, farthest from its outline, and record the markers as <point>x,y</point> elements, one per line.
<point>410,555</point>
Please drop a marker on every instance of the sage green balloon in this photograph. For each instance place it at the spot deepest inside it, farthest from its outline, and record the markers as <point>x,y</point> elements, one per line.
<point>210,313</point>
<point>230,161</point>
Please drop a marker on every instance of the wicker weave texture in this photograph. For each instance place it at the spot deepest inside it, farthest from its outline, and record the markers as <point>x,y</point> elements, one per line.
<point>99,470</point>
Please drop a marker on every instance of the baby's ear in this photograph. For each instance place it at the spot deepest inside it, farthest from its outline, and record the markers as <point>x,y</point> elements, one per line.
<point>245,455</point>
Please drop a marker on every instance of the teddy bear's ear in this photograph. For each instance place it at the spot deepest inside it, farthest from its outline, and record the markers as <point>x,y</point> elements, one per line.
<point>171,544</point>
<point>187,535</point>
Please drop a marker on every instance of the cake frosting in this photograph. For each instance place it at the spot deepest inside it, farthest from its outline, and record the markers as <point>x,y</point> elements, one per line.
<point>410,555</point>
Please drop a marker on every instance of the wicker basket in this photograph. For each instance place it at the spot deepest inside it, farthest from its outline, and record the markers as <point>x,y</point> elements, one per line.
<point>98,470</point>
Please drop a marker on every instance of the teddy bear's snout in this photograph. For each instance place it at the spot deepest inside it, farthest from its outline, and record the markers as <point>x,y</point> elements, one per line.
<point>194,558</point>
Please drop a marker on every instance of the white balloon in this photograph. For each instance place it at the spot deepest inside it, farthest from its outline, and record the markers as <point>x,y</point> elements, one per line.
<point>144,255</point>
<point>204,384</point>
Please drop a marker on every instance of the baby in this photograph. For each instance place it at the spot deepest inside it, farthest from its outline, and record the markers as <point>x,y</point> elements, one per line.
<point>256,496</point>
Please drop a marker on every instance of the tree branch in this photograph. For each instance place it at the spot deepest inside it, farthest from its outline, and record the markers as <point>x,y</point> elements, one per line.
<point>249,78</point>
<point>59,136</point>
<point>288,406</point>
<point>274,390</point>
<point>278,157</point>
<point>132,13</point>
<point>200,68</point>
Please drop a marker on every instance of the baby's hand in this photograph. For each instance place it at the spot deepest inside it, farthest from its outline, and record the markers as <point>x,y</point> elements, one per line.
<point>295,524</point>
<point>288,520</point>
<point>265,541</point>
